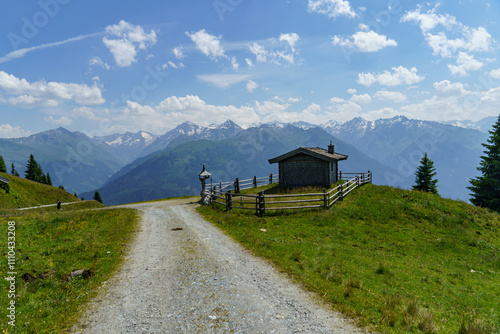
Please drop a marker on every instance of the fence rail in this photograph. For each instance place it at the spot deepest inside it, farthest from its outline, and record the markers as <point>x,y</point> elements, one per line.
<point>230,197</point>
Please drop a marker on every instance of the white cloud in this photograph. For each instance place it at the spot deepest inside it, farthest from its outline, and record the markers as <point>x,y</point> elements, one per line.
<point>396,97</point>
<point>259,51</point>
<point>208,44</point>
<point>9,131</point>
<point>400,76</point>
<point>99,62</point>
<point>223,80</point>
<point>234,63</point>
<point>365,41</point>
<point>174,65</point>
<point>363,27</point>
<point>361,98</point>
<point>125,39</point>
<point>331,8</point>
<point>352,91</point>
<point>274,55</point>
<point>468,39</point>
<point>338,104</point>
<point>446,89</point>
<point>373,115</point>
<point>62,121</point>
<point>85,112</point>
<point>251,86</point>
<point>41,93</point>
<point>175,110</point>
<point>495,74</point>
<point>293,99</point>
<point>22,52</point>
<point>465,63</point>
<point>249,62</point>
<point>429,20</point>
<point>178,52</point>
<point>291,39</point>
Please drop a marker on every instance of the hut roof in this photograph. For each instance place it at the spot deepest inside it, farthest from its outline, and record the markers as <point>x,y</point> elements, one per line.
<point>316,152</point>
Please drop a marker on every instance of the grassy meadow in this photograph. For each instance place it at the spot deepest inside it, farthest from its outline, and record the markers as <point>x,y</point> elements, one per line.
<point>394,260</point>
<point>49,245</point>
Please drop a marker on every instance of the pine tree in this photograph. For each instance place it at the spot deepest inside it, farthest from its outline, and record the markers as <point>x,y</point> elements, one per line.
<point>97,197</point>
<point>13,170</point>
<point>3,169</point>
<point>34,171</point>
<point>424,176</point>
<point>49,181</point>
<point>486,188</point>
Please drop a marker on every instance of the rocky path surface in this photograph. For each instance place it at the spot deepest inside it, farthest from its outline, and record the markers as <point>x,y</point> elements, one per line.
<point>183,275</point>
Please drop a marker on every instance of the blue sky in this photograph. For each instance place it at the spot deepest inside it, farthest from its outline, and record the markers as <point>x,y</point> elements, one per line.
<point>103,67</point>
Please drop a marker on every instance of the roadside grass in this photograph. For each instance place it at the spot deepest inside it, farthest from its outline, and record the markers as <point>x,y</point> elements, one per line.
<point>394,260</point>
<point>48,248</point>
<point>81,205</point>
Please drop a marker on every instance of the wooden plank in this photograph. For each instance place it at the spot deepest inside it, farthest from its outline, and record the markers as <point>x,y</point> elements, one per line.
<point>295,195</point>
<point>4,179</point>
<point>297,207</point>
<point>300,201</point>
<point>244,195</point>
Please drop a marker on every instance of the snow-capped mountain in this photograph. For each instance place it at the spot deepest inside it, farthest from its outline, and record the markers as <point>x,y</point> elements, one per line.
<point>128,139</point>
<point>400,142</point>
<point>483,125</point>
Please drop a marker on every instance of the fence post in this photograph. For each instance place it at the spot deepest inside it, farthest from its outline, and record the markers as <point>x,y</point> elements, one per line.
<point>370,176</point>
<point>262,204</point>
<point>220,185</point>
<point>271,178</point>
<point>229,200</point>
<point>340,178</point>
<point>255,181</point>
<point>357,181</point>
<point>325,199</point>
<point>237,186</point>
<point>341,193</point>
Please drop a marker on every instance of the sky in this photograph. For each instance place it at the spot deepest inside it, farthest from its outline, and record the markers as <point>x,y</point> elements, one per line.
<point>103,67</point>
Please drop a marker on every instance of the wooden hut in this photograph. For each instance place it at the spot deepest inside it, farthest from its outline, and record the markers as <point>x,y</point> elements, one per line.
<point>309,166</point>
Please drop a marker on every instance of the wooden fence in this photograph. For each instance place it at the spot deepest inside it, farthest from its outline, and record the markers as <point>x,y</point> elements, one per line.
<point>238,185</point>
<point>262,202</point>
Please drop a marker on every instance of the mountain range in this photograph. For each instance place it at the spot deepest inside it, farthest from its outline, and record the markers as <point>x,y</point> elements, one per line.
<point>391,148</point>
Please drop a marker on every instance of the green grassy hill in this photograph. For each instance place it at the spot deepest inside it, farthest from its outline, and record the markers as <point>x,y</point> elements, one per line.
<point>45,246</point>
<point>25,193</point>
<point>395,260</point>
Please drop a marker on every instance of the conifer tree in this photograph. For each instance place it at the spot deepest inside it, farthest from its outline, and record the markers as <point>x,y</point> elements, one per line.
<point>486,188</point>
<point>34,171</point>
<point>3,169</point>
<point>49,181</point>
<point>424,176</point>
<point>13,170</point>
<point>97,197</point>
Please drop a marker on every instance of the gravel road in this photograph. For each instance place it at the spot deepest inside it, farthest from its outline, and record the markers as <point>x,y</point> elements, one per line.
<point>183,275</point>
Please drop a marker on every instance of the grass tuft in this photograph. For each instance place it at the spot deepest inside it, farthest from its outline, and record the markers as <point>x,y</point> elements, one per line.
<point>475,326</point>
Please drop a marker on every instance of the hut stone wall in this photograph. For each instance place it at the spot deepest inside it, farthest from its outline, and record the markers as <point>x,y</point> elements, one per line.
<point>304,170</point>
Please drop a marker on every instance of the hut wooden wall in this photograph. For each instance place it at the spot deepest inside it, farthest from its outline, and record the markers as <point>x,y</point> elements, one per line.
<point>303,170</point>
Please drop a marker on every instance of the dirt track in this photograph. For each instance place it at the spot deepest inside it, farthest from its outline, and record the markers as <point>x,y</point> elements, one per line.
<point>185,276</point>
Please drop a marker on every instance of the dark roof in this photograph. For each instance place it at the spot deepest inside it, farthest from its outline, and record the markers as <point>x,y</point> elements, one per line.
<point>4,179</point>
<point>316,152</point>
